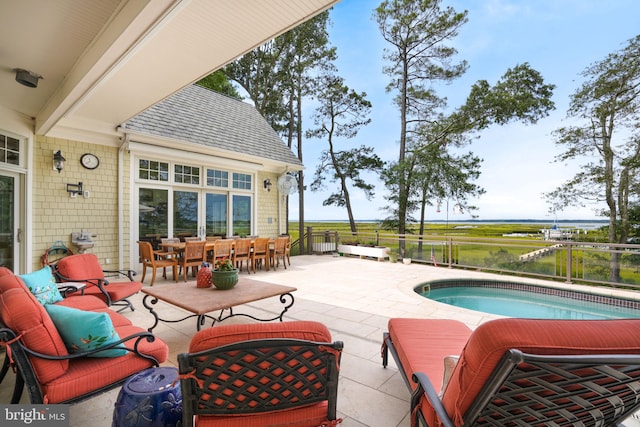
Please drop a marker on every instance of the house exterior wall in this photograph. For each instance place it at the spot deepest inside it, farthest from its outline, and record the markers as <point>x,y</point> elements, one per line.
<point>268,209</point>
<point>56,215</point>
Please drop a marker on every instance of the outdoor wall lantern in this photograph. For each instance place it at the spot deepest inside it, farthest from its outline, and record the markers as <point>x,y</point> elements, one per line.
<point>58,161</point>
<point>267,184</point>
<point>27,78</point>
<point>74,189</point>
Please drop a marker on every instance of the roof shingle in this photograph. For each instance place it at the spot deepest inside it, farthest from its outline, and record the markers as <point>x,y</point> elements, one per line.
<point>202,116</point>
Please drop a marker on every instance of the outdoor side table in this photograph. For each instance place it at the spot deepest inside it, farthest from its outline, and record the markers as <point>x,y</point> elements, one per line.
<point>150,398</point>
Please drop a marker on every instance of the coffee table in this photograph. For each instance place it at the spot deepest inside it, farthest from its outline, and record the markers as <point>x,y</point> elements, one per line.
<point>201,301</point>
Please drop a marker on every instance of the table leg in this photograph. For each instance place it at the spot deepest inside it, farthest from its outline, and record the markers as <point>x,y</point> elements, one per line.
<point>286,299</point>
<point>149,301</point>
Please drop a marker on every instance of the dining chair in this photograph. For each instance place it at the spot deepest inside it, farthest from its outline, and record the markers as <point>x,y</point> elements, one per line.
<point>279,252</point>
<point>287,249</point>
<point>168,252</point>
<point>260,253</point>
<point>191,239</point>
<point>222,248</point>
<point>149,259</point>
<point>242,253</point>
<point>194,255</point>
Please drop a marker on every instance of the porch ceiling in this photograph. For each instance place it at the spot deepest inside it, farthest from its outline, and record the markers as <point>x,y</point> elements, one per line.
<point>104,61</point>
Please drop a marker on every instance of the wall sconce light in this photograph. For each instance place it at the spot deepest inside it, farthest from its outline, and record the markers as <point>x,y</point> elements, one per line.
<point>267,184</point>
<point>74,189</point>
<point>27,78</point>
<point>58,161</point>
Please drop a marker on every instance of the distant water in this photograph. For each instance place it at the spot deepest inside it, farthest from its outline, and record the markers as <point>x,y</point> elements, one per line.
<point>583,224</point>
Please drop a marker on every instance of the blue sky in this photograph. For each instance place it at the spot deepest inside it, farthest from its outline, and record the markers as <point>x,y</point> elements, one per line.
<point>559,38</point>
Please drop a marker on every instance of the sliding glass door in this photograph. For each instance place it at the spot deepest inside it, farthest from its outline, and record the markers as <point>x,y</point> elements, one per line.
<point>216,214</point>
<point>180,213</point>
<point>9,232</point>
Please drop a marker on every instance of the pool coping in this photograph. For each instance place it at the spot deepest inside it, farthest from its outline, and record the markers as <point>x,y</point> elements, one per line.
<point>611,297</point>
<point>434,309</point>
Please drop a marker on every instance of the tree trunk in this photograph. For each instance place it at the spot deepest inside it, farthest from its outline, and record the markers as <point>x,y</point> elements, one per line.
<point>301,173</point>
<point>402,184</point>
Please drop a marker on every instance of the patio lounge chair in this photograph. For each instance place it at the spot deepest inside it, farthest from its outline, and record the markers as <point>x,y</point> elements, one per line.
<point>519,372</point>
<point>261,374</point>
<point>85,268</point>
<point>47,345</point>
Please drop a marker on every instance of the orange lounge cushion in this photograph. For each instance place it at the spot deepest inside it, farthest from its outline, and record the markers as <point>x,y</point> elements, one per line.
<point>422,345</point>
<point>313,415</point>
<point>80,267</point>
<point>88,374</point>
<point>92,303</point>
<point>492,339</point>
<point>116,290</point>
<point>228,334</point>
<point>23,314</point>
<point>87,266</point>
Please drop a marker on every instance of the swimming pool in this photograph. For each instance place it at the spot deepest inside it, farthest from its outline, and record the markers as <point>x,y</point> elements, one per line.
<point>524,300</point>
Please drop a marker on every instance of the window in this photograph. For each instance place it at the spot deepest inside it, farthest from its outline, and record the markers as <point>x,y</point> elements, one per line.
<point>241,215</point>
<point>152,214</point>
<point>241,181</point>
<point>180,200</point>
<point>9,150</point>
<point>186,174</point>
<point>185,213</point>
<point>217,178</point>
<point>153,170</point>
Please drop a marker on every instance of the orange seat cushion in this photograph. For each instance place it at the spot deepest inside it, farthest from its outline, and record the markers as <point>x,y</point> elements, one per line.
<point>491,340</point>
<point>313,415</point>
<point>422,345</point>
<point>23,314</point>
<point>80,266</point>
<point>88,374</point>
<point>228,334</point>
<point>117,291</point>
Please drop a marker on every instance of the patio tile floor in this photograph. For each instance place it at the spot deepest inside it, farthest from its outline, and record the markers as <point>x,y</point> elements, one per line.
<point>355,299</point>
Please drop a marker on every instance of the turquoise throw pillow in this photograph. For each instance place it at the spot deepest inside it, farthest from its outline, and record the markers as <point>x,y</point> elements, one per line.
<point>42,284</point>
<point>85,330</point>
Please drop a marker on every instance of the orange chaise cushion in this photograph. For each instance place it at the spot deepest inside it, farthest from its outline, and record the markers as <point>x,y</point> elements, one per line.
<point>491,340</point>
<point>422,345</point>
<point>314,414</point>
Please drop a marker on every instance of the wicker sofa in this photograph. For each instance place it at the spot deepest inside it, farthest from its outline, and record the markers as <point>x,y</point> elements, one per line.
<point>54,372</point>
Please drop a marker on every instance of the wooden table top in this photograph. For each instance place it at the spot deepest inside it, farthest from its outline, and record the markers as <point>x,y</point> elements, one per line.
<point>205,300</point>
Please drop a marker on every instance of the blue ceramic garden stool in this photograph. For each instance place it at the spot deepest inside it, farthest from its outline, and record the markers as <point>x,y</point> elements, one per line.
<point>151,398</point>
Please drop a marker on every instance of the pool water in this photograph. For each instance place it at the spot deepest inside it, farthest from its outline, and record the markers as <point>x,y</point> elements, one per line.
<point>517,303</point>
